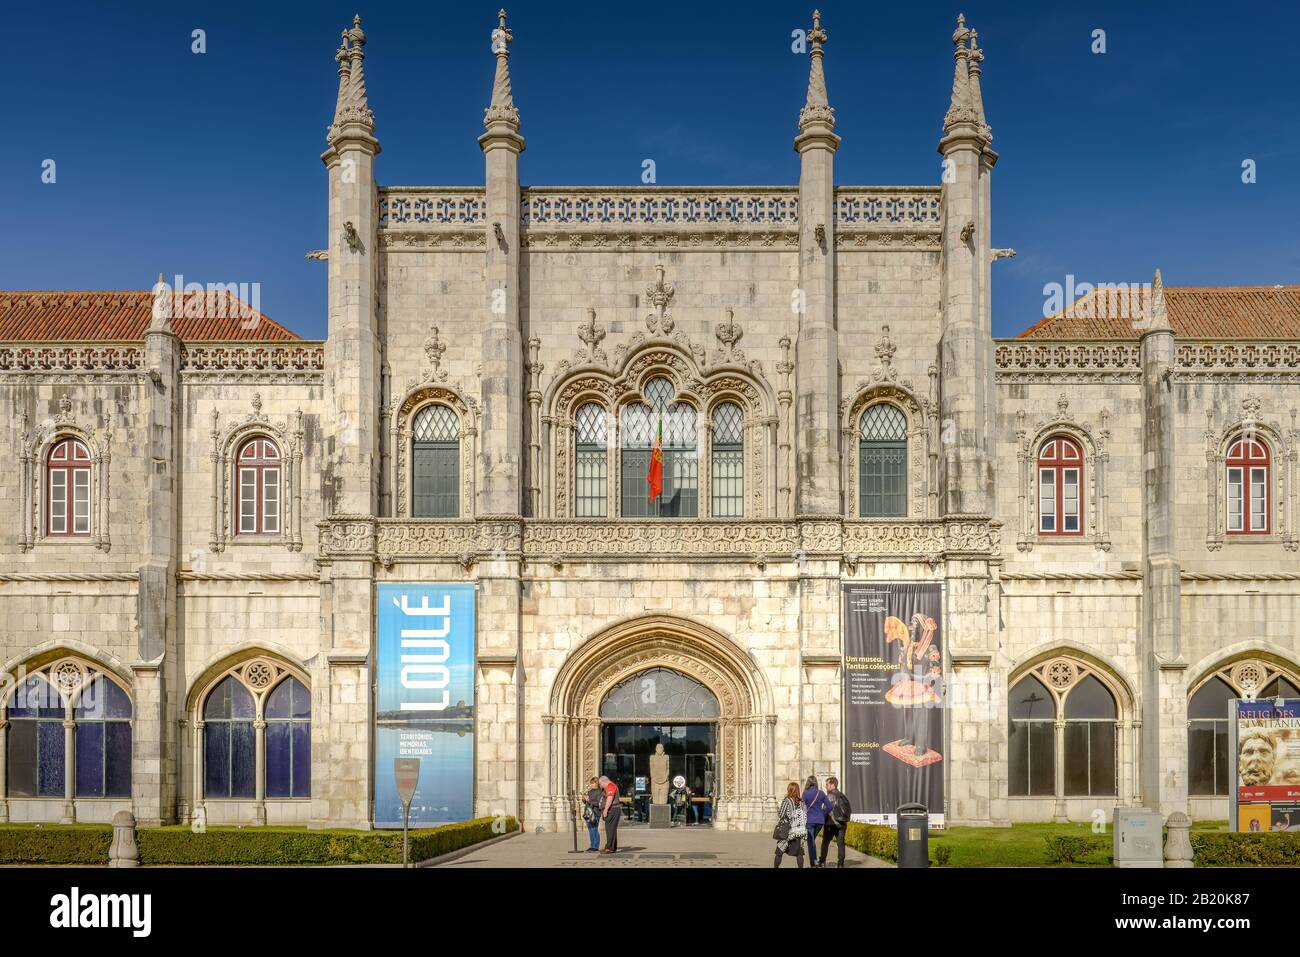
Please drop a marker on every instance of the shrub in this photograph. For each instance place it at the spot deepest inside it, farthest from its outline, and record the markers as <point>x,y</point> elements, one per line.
<point>261,846</point>
<point>1068,849</point>
<point>1269,849</point>
<point>55,843</point>
<point>873,839</point>
<point>942,854</point>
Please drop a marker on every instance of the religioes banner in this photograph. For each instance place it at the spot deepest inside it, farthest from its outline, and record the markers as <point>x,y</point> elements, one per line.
<point>1265,764</point>
<point>424,700</point>
<point>893,696</point>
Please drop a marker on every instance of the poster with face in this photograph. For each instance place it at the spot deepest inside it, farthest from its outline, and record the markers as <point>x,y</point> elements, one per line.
<point>893,700</point>
<point>1266,763</point>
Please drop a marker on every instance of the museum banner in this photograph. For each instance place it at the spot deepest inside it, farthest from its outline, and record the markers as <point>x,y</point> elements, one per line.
<point>424,700</point>
<point>1264,766</point>
<point>893,699</point>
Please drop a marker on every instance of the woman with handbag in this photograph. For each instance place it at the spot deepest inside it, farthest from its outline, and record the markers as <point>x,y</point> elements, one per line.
<point>791,825</point>
<point>591,814</point>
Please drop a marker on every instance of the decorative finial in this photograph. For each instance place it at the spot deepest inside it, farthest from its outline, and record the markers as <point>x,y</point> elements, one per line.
<point>1159,310</point>
<point>352,109</point>
<point>960,108</point>
<point>975,58</point>
<point>501,112</point>
<point>817,118</point>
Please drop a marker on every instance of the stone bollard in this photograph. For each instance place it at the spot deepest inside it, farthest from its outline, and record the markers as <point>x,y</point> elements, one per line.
<point>122,852</point>
<point>1178,845</point>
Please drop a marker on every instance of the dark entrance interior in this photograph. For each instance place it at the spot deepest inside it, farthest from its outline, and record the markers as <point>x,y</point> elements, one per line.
<point>691,749</point>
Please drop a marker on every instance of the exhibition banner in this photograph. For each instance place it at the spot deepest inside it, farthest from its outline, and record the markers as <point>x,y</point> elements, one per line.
<point>1265,764</point>
<point>424,700</point>
<point>893,700</point>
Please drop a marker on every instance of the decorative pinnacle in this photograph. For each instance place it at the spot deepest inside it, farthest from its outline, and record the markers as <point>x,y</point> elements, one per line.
<point>502,108</point>
<point>353,105</point>
<point>816,115</point>
<point>1159,318</point>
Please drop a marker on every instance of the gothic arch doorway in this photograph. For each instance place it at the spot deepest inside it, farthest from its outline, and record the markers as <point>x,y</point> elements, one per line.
<point>719,675</point>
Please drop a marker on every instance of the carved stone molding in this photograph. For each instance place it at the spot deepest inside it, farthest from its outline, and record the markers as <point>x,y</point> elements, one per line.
<point>288,436</point>
<point>1283,475</point>
<point>35,444</point>
<point>1093,441</point>
<point>253,363</point>
<point>419,393</point>
<point>1019,361</point>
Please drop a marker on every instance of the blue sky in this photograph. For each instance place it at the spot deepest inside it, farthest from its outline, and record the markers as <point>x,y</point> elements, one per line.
<point>208,165</point>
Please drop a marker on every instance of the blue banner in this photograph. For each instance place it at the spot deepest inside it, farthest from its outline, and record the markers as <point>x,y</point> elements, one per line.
<point>424,701</point>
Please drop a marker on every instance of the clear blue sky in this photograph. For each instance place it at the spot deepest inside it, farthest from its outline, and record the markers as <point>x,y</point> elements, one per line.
<point>208,165</point>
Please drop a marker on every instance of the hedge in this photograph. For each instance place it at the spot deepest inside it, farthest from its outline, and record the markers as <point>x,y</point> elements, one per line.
<point>1269,849</point>
<point>873,839</point>
<point>258,846</point>
<point>55,843</point>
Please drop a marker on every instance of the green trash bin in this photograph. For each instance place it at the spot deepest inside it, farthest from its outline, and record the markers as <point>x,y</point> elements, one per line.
<point>913,835</point>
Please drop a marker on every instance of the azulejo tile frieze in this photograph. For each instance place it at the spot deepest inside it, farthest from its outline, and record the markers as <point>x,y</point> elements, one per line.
<point>389,540</point>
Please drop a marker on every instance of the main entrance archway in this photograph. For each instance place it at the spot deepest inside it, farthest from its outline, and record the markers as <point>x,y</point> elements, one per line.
<point>745,722</point>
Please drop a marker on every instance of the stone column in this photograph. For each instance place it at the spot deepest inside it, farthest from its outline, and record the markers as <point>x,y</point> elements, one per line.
<point>259,783</point>
<point>817,347</point>
<point>198,803</point>
<point>69,770</point>
<point>4,766</point>
<point>1164,705</point>
<point>1058,744</point>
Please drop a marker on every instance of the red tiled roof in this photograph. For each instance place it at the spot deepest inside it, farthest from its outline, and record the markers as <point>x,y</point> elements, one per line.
<point>1195,312</point>
<point>43,316</point>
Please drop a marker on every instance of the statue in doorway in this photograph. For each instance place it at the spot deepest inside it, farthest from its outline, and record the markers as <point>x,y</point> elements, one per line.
<point>659,776</point>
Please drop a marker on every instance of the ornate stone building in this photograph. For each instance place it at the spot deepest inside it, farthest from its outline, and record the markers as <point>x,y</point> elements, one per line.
<point>199,509</point>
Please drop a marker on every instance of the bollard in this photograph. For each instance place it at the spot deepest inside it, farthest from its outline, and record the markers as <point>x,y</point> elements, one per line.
<point>1178,842</point>
<point>122,852</point>
<point>913,836</point>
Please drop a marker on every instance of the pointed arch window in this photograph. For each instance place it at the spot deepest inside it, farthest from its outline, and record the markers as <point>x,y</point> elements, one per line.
<point>102,714</point>
<point>1247,466</point>
<point>728,461</point>
<point>641,423</point>
<point>258,466</point>
<point>1090,740</point>
<point>288,740</point>
<point>435,463</point>
<point>37,743</point>
<point>67,484</point>
<point>1208,723</point>
<point>229,741</point>
<point>882,462</point>
<point>1060,484</point>
<point>1032,756</point>
<point>591,462</point>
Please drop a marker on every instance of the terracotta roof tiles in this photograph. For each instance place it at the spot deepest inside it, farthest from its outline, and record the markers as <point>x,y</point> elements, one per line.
<point>91,316</point>
<point>1195,312</point>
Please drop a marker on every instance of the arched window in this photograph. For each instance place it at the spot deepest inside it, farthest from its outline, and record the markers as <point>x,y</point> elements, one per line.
<point>728,464</point>
<point>1060,483</point>
<point>103,734</point>
<point>591,462</point>
<point>882,462</point>
<point>659,694</point>
<point>67,484</point>
<point>673,426</point>
<point>288,740</point>
<point>1032,757</point>
<point>1248,484</point>
<point>1090,765</point>
<point>1207,738</point>
<point>257,465</point>
<point>229,741</point>
<point>435,463</point>
<point>36,740</point>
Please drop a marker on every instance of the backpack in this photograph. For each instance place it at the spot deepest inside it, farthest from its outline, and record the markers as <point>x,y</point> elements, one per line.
<point>841,810</point>
<point>589,813</point>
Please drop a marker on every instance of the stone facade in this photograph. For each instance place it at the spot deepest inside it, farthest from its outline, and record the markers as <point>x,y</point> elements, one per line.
<point>512,306</point>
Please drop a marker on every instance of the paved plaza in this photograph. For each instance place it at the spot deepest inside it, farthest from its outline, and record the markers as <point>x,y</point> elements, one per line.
<point>642,847</point>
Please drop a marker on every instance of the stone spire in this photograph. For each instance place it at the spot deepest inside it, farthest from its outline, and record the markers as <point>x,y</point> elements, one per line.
<point>352,110</point>
<point>960,107</point>
<point>501,114</point>
<point>817,118</point>
<point>976,57</point>
<point>1159,311</point>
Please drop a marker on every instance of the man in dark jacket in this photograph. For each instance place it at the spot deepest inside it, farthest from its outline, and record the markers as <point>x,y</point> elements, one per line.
<point>837,821</point>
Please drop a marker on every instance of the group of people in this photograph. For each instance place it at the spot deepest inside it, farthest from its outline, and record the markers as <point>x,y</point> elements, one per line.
<point>801,817</point>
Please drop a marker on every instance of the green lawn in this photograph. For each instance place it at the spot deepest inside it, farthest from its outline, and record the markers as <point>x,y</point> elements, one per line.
<point>1025,845</point>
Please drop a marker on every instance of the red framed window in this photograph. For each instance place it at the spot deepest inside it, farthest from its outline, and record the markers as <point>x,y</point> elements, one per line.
<point>1248,485</point>
<point>67,489</point>
<point>257,468</point>
<point>1060,487</point>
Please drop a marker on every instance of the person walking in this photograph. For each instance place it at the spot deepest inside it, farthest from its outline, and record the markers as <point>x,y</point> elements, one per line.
<point>591,814</point>
<point>611,810</point>
<point>837,821</point>
<point>791,826</point>
<point>817,805</point>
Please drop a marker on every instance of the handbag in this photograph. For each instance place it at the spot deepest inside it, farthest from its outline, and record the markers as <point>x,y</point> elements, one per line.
<point>782,831</point>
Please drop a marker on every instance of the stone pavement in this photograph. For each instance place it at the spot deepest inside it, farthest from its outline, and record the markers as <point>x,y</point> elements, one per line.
<point>642,847</point>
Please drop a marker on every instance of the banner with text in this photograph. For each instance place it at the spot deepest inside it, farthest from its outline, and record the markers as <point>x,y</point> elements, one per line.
<point>1265,764</point>
<point>424,701</point>
<point>893,700</point>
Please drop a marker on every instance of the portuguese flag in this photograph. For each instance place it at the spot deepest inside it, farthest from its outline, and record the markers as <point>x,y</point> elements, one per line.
<point>655,477</point>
